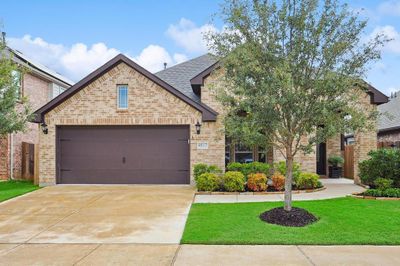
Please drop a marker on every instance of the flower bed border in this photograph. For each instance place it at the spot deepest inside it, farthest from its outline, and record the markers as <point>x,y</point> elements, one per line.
<point>358,196</point>
<point>258,193</point>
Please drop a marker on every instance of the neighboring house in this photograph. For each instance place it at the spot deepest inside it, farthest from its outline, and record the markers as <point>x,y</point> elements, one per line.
<point>389,121</point>
<point>40,85</point>
<point>123,124</point>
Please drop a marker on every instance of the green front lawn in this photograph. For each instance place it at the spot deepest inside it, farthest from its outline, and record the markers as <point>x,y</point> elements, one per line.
<point>11,189</point>
<point>342,221</point>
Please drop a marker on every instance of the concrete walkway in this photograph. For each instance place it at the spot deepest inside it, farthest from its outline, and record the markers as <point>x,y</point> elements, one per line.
<point>170,254</point>
<point>335,188</point>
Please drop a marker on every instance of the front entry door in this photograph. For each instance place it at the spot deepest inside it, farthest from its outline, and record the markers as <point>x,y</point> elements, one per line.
<point>321,158</point>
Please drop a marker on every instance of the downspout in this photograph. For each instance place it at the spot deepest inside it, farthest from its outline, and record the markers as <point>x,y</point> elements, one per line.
<point>11,156</point>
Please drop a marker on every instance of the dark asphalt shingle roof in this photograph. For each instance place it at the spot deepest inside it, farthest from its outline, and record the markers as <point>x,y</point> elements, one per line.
<point>392,108</point>
<point>179,76</point>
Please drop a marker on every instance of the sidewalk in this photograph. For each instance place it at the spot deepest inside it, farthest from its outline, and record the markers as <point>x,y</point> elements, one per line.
<point>204,255</point>
<point>335,188</point>
<point>287,255</point>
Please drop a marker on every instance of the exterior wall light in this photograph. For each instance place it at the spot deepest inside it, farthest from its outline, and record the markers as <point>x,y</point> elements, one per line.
<point>198,127</point>
<point>44,128</point>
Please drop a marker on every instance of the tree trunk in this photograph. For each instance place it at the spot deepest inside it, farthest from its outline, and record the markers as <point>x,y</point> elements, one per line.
<point>288,183</point>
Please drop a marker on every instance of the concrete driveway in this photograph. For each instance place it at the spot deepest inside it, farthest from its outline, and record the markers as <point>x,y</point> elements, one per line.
<point>97,214</point>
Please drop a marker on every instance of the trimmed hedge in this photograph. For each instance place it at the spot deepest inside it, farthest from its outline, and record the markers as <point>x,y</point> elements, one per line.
<point>202,168</point>
<point>384,163</point>
<point>233,181</point>
<point>249,168</point>
<point>308,181</point>
<point>389,193</point>
<point>257,182</point>
<point>208,182</point>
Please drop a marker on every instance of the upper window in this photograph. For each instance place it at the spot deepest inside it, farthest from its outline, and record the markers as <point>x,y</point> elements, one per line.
<point>55,90</point>
<point>122,96</point>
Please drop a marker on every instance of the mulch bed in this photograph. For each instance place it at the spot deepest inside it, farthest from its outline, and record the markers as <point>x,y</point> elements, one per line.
<point>297,217</point>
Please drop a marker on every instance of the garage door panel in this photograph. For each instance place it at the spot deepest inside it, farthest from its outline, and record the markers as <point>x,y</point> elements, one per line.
<point>123,155</point>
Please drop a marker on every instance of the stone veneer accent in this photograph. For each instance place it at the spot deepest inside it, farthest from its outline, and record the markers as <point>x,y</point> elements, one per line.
<point>148,104</point>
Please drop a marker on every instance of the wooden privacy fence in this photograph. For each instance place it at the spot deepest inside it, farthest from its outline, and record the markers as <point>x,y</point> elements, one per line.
<point>28,161</point>
<point>349,161</point>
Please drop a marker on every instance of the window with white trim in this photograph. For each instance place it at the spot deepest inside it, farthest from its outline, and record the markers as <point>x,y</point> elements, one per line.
<point>55,90</point>
<point>122,99</point>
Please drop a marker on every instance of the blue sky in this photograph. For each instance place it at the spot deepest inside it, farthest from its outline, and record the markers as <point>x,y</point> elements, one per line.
<point>75,37</point>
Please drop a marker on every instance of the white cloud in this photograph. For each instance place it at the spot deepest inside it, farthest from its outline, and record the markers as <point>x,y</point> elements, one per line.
<point>391,8</point>
<point>78,60</point>
<point>389,31</point>
<point>190,37</point>
<point>153,58</point>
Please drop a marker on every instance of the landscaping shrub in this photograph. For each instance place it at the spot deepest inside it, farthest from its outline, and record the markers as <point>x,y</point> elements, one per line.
<point>336,160</point>
<point>235,166</point>
<point>233,181</point>
<point>278,181</point>
<point>390,192</point>
<point>281,168</point>
<point>308,181</point>
<point>257,182</point>
<point>208,182</point>
<point>202,168</point>
<point>249,168</point>
<point>383,183</point>
<point>384,163</point>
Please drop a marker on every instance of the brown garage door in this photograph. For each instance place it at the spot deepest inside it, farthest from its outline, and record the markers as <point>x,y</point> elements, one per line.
<point>123,155</point>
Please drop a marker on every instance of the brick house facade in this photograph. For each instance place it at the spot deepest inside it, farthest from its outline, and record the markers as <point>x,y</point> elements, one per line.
<point>37,86</point>
<point>181,95</point>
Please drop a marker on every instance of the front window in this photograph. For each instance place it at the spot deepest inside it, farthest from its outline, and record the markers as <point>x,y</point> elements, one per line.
<point>122,97</point>
<point>243,154</point>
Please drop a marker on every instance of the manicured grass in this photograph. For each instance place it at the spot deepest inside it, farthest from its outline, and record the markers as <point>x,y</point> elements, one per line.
<point>342,221</point>
<point>11,189</point>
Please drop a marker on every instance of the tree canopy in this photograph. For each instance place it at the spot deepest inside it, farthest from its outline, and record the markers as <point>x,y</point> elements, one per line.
<point>293,68</point>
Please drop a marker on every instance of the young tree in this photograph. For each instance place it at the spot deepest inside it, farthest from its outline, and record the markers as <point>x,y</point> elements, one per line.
<point>291,69</point>
<point>14,110</point>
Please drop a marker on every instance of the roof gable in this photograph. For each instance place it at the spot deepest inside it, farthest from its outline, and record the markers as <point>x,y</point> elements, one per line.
<point>207,112</point>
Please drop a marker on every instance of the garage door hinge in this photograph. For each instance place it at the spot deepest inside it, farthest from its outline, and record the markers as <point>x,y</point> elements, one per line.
<point>65,139</point>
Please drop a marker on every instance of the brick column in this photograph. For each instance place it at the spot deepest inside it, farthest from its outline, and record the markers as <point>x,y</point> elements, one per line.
<point>365,142</point>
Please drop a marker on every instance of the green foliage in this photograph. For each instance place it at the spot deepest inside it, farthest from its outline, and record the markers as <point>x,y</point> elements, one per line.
<point>281,168</point>
<point>249,168</point>
<point>257,182</point>
<point>202,168</point>
<point>233,181</point>
<point>288,68</point>
<point>308,181</point>
<point>389,192</point>
<point>383,183</point>
<point>235,166</point>
<point>383,163</point>
<point>208,182</point>
<point>336,160</point>
<point>14,110</point>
